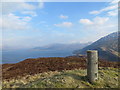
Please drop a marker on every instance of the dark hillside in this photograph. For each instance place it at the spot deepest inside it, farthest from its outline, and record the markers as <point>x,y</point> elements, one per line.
<point>107,46</point>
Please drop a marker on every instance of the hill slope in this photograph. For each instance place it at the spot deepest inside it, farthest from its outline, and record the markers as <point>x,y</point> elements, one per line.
<point>107,47</point>
<point>56,72</point>
<point>108,78</point>
<point>40,65</point>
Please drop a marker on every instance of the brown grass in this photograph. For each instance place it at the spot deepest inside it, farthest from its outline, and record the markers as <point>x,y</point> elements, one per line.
<point>40,65</point>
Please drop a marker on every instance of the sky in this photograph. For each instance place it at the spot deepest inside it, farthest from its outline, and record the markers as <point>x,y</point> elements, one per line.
<point>33,24</point>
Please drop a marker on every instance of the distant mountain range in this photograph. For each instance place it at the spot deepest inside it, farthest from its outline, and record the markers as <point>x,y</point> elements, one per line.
<point>63,46</point>
<point>107,46</point>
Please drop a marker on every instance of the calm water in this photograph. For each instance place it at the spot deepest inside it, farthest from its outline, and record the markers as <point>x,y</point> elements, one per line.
<point>17,56</point>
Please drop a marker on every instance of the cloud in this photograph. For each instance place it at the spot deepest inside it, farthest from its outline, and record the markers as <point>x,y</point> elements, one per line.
<point>31,13</point>
<point>99,27</point>
<point>100,20</point>
<point>64,24</point>
<point>85,21</point>
<point>110,9</point>
<point>27,19</point>
<point>11,7</point>
<point>94,12</point>
<point>95,21</point>
<point>114,1</point>
<point>63,17</point>
<point>103,25</point>
<point>13,22</point>
<point>113,13</point>
<point>10,21</point>
<point>41,4</point>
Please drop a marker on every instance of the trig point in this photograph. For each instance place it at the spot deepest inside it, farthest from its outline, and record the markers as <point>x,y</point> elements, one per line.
<point>92,65</point>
